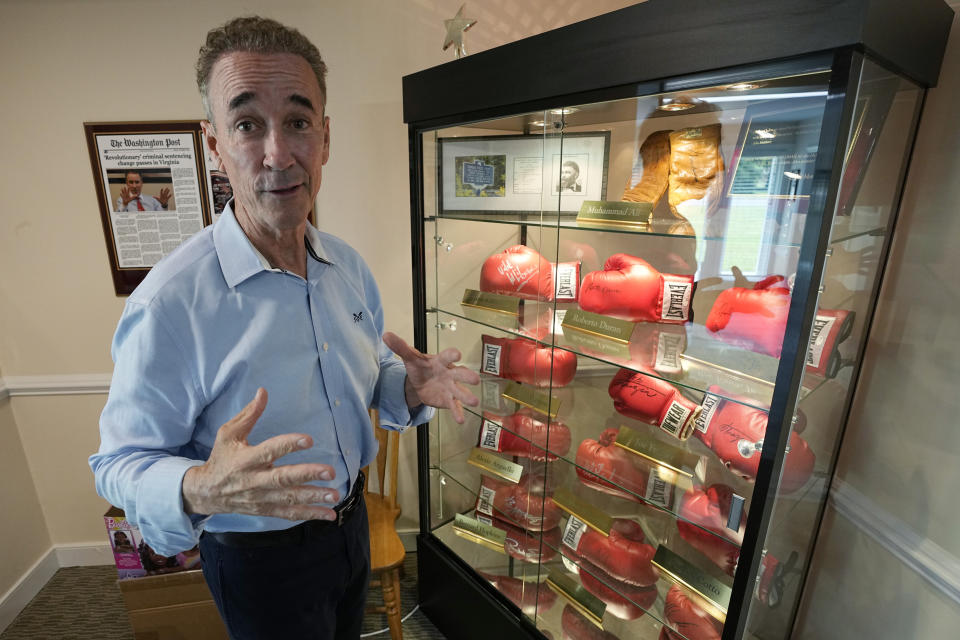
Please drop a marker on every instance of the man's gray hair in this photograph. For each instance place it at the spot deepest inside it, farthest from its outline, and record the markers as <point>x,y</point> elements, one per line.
<point>256,35</point>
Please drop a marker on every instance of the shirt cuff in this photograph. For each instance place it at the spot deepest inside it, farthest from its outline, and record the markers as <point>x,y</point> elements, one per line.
<point>160,515</point>
<point>393,407</point>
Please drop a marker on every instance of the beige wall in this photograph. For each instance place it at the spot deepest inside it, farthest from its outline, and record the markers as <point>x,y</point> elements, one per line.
<point>22,527</point>
<point>70,61</point>
<point>901,451</point>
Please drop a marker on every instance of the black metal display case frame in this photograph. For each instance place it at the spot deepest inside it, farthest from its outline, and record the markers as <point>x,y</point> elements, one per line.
<point>621,55</point>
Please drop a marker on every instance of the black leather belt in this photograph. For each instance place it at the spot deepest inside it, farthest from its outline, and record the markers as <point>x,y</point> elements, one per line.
<point>297,534</point>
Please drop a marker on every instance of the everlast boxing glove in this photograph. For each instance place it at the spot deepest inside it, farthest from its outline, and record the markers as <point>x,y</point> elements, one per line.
<point>519,271</point>
<point>629,288</point>
<point>735,432</point>
<point>724,519</point>
<point>524,545</point>
<point>532,597</point>
<point>688,619</point>
<point>830,328</point>
<point>754,319</point>
<point>527,361</point>
<point>604,466</point>
<point>623,600</point>
<point>576,627</point>
<point>527,434</point>
<point>654,401</point>
<point>623,554</point>
<point>517,504</point>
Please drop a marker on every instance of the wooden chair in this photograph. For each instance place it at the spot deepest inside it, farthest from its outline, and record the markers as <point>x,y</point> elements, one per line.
<point>386,550</point>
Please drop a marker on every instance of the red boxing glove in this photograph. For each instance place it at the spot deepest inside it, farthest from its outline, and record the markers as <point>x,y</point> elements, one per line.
<point>519,271</point>
<point>576,627</point>
<point>525,434</point>
<point>688,619</point>
<point>527,361</point>
<point>830,328</point>
<point>524,545</point>
<point>604,466</point>
<point>623,554</point>
<point>754,319</point>
<point>735,433</point>
<point>658,347</point>
<point>654,401</point>
<point>517,504</point>
<point>531,597</point>
<point>623,600</point>
<point>711,510</point>
<point>629,288</point>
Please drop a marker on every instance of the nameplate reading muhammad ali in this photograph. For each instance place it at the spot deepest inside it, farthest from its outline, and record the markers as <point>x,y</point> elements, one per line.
<point>622,213</point>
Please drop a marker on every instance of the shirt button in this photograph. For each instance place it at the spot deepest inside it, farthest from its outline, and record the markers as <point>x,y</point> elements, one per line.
<point>325,346</point>
<point>337,402</point>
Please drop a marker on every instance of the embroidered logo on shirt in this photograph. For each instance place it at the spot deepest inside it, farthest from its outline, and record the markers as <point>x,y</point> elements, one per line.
<point>357,317</point>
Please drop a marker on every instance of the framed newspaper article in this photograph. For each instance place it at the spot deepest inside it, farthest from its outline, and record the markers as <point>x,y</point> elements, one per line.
<point>153,191</point>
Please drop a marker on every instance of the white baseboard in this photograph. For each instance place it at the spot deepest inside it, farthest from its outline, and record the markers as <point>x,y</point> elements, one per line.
<point>59,556</point>
<point>20,595</point>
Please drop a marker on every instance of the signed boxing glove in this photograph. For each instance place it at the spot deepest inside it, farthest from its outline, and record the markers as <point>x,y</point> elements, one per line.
<point>623,554</point>
<point>532,597</point>
<point>754,319</point>
<point>735,432</point>
<point>629,288</point>
<point>688,619</point>
<point>604,466</point>
<point>527,361</point>
<point>710,509</point>
<point>517,504</point>
<point>623,600</point>
<point>654,401</point>
<point>525,434</point>
<point>524,545</point>
<point>576,627</point>
<point>519,271</point>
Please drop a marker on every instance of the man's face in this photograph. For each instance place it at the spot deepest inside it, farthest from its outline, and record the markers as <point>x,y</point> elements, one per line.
<point>270,135</point>
<point>134,184</point>
<point>567,175</point>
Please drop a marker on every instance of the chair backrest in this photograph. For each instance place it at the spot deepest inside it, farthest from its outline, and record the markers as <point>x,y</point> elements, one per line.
<point>386,463</point>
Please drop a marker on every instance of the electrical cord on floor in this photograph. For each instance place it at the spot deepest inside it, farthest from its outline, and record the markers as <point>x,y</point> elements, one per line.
<point>385,629</point>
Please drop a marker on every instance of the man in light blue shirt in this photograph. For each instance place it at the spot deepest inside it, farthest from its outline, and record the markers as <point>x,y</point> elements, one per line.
<point>263,303</point>
<point>132,197</point>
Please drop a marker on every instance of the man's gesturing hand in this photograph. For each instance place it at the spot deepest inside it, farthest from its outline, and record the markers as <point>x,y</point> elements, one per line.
<point>240,478</point>
<point>434,380</point>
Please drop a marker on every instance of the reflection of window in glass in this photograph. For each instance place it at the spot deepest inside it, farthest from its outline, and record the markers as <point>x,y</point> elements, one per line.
<point>744,238</point>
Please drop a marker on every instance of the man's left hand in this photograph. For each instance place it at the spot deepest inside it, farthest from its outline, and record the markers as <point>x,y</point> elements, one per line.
<point>433,379</point>
<point>164,197</point>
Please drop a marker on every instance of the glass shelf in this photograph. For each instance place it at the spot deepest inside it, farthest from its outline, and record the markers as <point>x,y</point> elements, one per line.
<point>706,361</point>
<point>468,478</point>
<point>842,232</point>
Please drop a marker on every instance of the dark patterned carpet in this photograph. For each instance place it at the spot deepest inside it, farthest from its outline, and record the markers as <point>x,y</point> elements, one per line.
<point>84,603</point>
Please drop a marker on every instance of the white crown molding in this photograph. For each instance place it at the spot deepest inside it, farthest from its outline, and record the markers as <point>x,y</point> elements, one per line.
<point>55,385</point>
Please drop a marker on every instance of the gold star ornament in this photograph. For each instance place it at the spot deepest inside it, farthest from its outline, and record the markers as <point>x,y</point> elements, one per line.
<point>456,27</point>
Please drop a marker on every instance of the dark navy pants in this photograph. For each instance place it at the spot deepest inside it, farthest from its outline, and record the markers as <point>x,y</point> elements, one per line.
<point>315,588</point>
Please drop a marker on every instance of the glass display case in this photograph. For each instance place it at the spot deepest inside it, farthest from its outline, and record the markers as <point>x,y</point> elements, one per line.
<point>666,285</point>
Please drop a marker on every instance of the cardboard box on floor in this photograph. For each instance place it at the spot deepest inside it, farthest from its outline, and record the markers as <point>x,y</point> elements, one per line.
<point>174,606</point>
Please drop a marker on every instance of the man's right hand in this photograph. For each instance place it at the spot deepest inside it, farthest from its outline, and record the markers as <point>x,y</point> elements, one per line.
<point>240,478</point>
<point>125,195</point>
